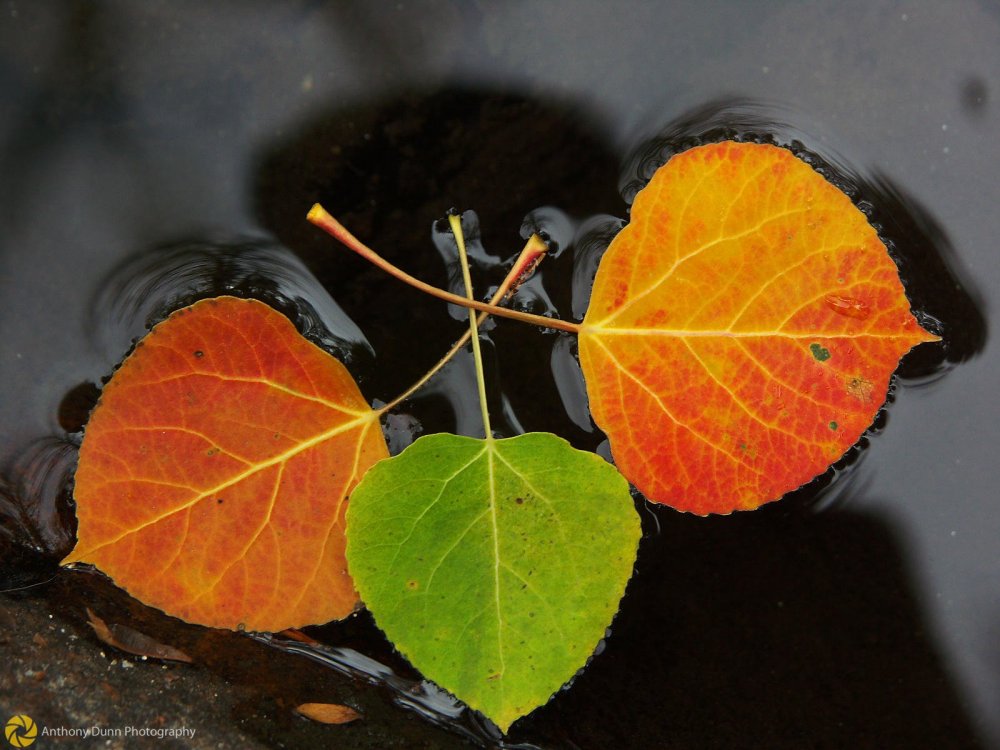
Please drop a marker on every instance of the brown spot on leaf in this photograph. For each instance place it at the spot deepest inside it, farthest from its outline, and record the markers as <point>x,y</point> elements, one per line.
<point>860,388</point>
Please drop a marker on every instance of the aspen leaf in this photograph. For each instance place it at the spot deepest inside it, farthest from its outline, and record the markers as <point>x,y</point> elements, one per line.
<point>131,641</point>
<point>742,329</point>
<point>494,566</point>
<point>214,473</point>
<point>328,713</point>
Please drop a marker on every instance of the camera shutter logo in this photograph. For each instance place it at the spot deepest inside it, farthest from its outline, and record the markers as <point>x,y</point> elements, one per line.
<point>20,730</point>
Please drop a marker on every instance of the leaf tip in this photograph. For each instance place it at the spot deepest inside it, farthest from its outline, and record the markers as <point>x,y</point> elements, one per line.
<point>927,337</point>
<point>504,725</point>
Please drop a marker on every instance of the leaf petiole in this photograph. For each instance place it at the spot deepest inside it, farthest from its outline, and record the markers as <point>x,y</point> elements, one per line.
<point>529,258</point>
<point>456,228</point>
<point>320,217</point>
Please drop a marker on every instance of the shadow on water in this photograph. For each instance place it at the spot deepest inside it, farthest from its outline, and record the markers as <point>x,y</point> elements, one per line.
<point>783,628</point>
<point>390,171</point>
<point>775,629</point>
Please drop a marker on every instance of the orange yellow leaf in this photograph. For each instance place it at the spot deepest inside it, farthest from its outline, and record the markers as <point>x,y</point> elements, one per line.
<point>742,329</point>
<point>214,473</point>
<point>328,713</point>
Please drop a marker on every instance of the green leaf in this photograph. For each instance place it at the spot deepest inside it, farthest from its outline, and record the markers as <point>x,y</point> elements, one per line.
<point>494,566</point>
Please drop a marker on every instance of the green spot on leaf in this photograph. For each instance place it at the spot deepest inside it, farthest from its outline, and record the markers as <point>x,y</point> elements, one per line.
<point>513,597</point>
<point>833,425</point>
<point>821,353</point>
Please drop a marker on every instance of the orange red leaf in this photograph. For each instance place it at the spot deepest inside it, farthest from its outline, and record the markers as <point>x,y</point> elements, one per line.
<point>214,473</point>
<point>742,329</point>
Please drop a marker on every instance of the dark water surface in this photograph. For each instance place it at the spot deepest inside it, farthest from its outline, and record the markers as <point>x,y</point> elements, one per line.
<point>153,154</point>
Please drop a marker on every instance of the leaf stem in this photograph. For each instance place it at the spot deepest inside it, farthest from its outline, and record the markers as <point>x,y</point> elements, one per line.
<point>531,255</point>
<point>321,218</point>
<point>456,228</point>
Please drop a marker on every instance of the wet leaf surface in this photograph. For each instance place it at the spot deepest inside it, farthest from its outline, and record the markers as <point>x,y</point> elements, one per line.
<point>214,473</point>
<point>494,566</point>
<point>742,331</point>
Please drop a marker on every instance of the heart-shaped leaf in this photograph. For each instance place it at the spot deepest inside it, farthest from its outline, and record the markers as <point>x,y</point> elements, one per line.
<point>214,473</point>
<point>742,329</point>
<point>494,566</point>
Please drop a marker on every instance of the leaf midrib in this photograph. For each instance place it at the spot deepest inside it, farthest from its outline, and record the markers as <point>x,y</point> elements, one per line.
<point>598,330</point>
<point>249,472</point>
<point>490,453</point>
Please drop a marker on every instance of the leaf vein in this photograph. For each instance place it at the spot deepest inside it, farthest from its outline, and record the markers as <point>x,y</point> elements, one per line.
<point>246,547</point>
<point>335,516</point>
<point>496,555</point>
<point>178,428</point>
<point>260,381</point>
<point>739,402</point>
<point>671,416</point>
<point>694,253</point>
<point>416,521</point>
<point>452,547</point>
<point>290,453</point>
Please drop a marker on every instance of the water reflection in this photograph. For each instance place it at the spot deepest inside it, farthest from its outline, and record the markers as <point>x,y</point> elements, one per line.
<point>420,696</point>
<point>487,270</point>
<point>592,238</point>
<point>37,521</point>
<point>144,289</point>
